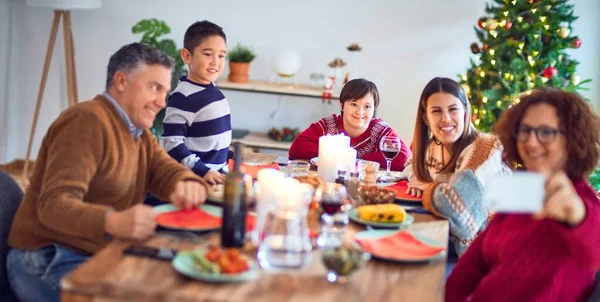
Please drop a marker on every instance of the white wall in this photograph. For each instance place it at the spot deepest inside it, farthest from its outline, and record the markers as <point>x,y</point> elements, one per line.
<point>4,59</point>
<point>405,43</point>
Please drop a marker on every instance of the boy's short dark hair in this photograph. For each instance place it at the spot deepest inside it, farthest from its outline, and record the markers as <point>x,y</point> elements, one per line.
<point>199,31</point>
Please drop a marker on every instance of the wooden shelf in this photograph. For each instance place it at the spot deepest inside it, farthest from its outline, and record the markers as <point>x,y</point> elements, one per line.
<point>262,140</point>
<point>280,89</point>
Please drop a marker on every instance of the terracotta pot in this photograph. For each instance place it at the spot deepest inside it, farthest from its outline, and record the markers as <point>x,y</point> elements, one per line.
<point>238,72</point>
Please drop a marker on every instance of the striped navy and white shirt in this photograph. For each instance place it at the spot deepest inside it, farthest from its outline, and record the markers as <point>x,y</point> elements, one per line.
<point>197,127</point>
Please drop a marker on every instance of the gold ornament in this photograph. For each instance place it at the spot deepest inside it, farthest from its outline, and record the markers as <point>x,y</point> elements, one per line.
<point>491,24</point>
<point>564,32</point>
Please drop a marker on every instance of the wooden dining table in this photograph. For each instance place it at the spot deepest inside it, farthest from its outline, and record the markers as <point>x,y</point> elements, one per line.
<point>110,275</point>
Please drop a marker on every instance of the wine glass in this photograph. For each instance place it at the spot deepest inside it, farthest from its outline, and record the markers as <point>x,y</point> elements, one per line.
<point>334,203</point>
<point>390,147</point>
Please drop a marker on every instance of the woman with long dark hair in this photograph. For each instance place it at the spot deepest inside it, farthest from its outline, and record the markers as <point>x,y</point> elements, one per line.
<point>452,161</point>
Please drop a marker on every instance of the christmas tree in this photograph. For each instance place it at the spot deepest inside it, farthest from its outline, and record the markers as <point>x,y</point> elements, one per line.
<point>522,46</point>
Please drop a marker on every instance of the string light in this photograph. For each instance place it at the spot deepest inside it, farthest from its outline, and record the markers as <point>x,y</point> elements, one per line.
<point>535,53</point>
<point>484,112</point>
<point>507,75</point>
<point>546,26</point>
<point>544,80</point>
<point>482,74</point>
<point>534,10</point>
<point>519,51</point>
<point>499,103</point>
<point>477,122</point>
<point>494,33</point>
<point>519,18</point>
<point>464,77</point>
<point>493,62</point>
<point>484,100</point>
<point>560,57</point>
<point>475,110</point>
<point>514,2</point>
<point>528,92</point>
<point>502,23</point>
<point>536,36</point>
<point>543,18</point>
<point>492,52</point>
<point>521,45</point>
<point>505,13</point>
<point>512,77</point>
<point>517,100</point>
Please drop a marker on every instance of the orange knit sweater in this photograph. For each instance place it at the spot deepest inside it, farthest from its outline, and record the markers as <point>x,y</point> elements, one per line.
<point>88,163</point>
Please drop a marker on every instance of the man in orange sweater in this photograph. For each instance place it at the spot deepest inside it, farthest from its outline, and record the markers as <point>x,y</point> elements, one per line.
<point>96,164</point>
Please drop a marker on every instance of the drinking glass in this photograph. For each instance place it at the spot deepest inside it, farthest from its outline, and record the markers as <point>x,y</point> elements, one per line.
<point>285,242</point>
<point>390,147</point>
<point>342,261</point>
<point>298,168</point>
<point>334,203</point>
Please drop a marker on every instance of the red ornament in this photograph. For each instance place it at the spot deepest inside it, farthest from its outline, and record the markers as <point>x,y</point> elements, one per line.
<point>550,72</point>
<point>484,47</point>
<point>508,25</point>
<point>480,22</point>
<point>576,43</point>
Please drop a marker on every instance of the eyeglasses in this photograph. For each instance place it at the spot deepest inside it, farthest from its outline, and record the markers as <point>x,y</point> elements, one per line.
<point>544,135</point>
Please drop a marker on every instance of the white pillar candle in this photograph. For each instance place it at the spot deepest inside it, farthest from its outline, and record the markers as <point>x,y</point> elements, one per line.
<point>347,159</point>
<point>329,151</point>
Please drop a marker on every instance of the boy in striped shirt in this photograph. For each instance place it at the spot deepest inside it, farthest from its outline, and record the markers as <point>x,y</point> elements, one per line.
<point>197,123</point>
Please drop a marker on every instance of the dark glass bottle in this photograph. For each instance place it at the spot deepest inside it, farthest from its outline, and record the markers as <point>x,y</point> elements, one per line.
<point>234,205</point>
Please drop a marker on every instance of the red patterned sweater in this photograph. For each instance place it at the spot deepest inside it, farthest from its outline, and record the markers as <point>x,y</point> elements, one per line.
<point>518,258</point>
<point>306,144</point>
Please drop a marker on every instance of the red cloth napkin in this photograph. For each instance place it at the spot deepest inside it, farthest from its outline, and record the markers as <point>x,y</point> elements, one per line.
<point>400,189</point>
<point>253,170</point>
<point>195,219</point>
<point>401,245</point>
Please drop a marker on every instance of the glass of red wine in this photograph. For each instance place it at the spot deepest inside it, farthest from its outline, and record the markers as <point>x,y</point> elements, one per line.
<point>390,147</point>
<point>334,203</point>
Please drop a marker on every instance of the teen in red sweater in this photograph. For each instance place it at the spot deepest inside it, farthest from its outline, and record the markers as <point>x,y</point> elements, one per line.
<point>358,100</point>
<point>552,255</point>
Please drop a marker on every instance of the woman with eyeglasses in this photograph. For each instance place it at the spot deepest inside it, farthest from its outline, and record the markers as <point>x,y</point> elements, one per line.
<point>452,161</point>
<point>554,254</point>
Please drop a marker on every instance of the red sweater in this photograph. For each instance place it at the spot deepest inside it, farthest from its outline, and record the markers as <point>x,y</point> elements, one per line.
<point>306,144</point>
<point>518,258</point>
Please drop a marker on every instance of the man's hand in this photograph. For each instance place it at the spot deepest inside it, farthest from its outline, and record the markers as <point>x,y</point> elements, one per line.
<point>214,177</point>
<point>188,194</point>
<point>135,223</point>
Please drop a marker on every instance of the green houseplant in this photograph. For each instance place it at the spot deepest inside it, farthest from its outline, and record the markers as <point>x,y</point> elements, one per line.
<point>239,63</point>
<point>153,32</point>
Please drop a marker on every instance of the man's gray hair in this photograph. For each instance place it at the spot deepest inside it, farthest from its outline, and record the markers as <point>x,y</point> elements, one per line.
<point>131,56</point>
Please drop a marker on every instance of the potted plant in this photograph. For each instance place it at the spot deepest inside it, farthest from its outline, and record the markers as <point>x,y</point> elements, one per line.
<point>152,31</point>
<point>239,63</point>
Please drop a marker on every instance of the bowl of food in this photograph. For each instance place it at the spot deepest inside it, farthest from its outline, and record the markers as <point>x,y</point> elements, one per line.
<point>376,195</point>
<point>342,261</point>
